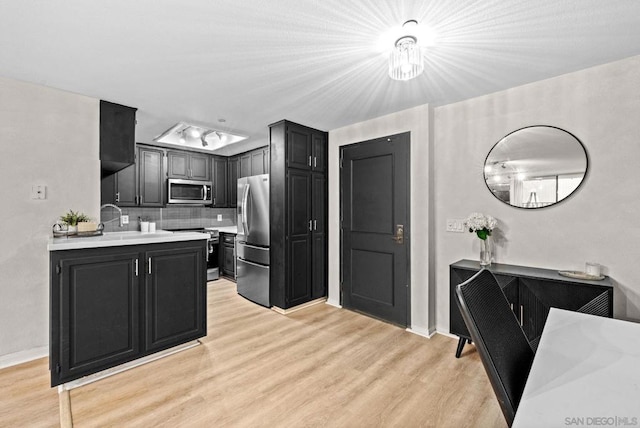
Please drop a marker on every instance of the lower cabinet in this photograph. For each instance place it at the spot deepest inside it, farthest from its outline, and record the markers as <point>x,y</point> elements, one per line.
<point>228,255</point>
<point>531,292</point>
<point>112,305</point>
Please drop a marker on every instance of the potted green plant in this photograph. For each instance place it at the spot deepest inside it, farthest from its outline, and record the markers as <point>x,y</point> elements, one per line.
<point>72,218</point>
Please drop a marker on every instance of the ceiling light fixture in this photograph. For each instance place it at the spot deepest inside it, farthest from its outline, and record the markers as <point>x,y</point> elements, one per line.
<point>406,60</point>
<point>197,137</point>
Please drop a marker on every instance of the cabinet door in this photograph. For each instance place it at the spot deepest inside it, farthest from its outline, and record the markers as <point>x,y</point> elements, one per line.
<point>199,167</point>
<point>319,146</point>
<point>126,189</point>
<point>150,177</point>
<point>95,295</point>
<point>232,182</point>
<point>175,296</point>
<point>257,162</point>
<point>299,246</point>
<point>267,161</point>
<point>219,176</point>
<point>178,165</point>
<point>108,189</point>
<point>245,165</point>
<point>229,261</point>
<point>298,147</point>
<point>319,251</point>
<point>533,310</point>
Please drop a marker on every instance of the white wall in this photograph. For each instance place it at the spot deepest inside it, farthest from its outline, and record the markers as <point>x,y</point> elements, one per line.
<point>416,121</point>
<point>600,106</point>
<point>47,137</point>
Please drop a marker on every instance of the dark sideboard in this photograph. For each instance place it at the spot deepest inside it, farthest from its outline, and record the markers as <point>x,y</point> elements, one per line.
<point>531,292</point>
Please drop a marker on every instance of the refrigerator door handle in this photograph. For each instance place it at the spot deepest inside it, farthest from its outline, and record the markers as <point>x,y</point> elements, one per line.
<point>245,198</point>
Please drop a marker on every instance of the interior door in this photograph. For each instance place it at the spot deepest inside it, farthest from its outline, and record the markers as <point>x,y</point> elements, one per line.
<point>374,190</point>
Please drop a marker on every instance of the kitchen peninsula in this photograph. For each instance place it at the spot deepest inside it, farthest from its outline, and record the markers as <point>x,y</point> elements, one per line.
<point>121,296</point>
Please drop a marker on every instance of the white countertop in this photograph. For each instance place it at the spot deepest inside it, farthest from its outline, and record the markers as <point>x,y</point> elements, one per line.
<point>113,239</point>
<point>586,367</point>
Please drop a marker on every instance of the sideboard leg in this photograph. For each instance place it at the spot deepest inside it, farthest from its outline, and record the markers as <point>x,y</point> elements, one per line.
<point>461,343</point>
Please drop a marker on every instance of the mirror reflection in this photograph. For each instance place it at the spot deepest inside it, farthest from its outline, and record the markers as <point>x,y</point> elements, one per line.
<point>535,167</point>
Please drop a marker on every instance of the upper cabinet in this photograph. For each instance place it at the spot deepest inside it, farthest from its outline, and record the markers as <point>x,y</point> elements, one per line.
<point>306,148</point>
<point>188,165</point>
<point>219,175</point>
<point>117,136</point>
<point>140,184</point>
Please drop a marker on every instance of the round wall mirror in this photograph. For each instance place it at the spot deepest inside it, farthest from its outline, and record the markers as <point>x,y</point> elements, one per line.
<point>535,167</point>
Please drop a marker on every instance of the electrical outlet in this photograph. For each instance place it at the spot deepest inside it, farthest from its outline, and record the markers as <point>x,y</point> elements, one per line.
<point>38,191</point>
<point>219,217</point>
<point>455,225</point>
<point>125,219</point>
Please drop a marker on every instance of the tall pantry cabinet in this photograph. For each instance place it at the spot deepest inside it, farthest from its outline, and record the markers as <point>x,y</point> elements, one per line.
<point>298,214</point>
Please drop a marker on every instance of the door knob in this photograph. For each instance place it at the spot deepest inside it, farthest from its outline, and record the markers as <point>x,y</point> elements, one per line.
<point>399,236</point>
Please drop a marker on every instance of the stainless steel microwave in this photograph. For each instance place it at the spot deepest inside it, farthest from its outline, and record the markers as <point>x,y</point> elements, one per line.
<point>190,192</point>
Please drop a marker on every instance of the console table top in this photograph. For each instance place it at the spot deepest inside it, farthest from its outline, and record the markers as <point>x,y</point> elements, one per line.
<point>528,272</point>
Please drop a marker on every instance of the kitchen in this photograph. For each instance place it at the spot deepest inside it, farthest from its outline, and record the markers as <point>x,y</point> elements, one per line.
<point>67,162</point>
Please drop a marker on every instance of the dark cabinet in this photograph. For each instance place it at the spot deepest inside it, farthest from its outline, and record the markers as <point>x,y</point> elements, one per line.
<point>117,136</point>
<point>140,184</point>
<point>219,175</point>
<point>232,181</point>
<point>532,292</point>
<point>112,305</point>
<point>257,162</point>
<point>151,178</point>
<point>228,255</point>
<point>173,296</point>
<point>94,294</point>
<point>188,165</point>
<point>298,252</point>
<point>244,169</point>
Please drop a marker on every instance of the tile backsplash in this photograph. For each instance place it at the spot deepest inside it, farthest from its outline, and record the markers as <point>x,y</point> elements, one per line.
<point>172,217</point>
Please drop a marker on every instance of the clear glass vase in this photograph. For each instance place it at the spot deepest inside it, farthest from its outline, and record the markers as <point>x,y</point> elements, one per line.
<point>486,251</point>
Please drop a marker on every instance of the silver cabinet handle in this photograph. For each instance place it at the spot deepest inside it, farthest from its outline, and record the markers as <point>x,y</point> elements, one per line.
<point>511,304</point>
<point>315,224</point>
<point>521,314</point>
<point>141,200</point>
<point>136,267</point>
<point>310,225</point>
<point>117,196</point>
<point>309,160</point>
<point>149,265</point>
<point>315,161</point>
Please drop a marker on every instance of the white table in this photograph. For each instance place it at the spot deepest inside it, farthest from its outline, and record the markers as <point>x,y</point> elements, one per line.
<point>586,372</point>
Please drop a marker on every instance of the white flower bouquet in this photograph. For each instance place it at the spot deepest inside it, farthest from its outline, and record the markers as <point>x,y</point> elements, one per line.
<point>481,224</point>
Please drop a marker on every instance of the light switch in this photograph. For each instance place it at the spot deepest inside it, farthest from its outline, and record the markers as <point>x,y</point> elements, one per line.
<point>38,191</point>
<point>125,219</point>
<point>455,225</point>
<point>219,217</point>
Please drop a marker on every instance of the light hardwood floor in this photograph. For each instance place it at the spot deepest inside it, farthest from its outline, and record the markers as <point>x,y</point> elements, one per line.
<point>321,366</point>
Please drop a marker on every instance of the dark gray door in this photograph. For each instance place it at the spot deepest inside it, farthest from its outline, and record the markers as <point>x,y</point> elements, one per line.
<point>374,190</point>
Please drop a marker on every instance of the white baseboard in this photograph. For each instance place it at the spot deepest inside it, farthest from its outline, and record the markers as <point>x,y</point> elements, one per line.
<point>452,336</point>
<point>334,304</point>
<point>420,332</point>
<point>23,356</point>
<point>297,308</point>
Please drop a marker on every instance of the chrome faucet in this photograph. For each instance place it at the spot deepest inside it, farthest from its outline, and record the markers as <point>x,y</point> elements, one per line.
<point>119,213</point>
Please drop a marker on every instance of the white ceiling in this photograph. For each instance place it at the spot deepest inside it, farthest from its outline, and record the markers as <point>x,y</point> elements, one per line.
<point>254,62</point>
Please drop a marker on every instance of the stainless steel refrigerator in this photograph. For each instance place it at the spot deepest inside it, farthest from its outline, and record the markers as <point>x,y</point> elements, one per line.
<point>252,244</point>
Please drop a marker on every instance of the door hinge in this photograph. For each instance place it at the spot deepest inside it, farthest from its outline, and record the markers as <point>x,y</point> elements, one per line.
<point>58,269</point>
<point>58,368</point>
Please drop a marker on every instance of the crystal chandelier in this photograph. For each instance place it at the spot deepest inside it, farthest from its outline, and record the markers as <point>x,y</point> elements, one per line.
<point>406,60</point>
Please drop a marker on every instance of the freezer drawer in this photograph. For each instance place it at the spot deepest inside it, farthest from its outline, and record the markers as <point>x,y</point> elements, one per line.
<point>252,253</point>
<point>253,282</point>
